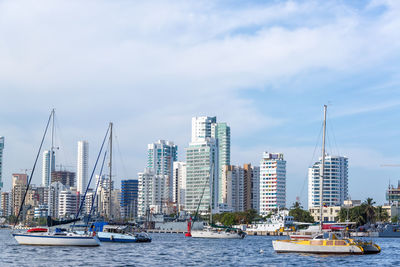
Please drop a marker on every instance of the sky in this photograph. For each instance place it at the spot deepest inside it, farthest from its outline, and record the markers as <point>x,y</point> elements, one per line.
<point>264,67</point>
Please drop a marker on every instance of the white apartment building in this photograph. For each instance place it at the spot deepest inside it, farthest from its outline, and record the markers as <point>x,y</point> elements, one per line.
<point>82,166</point>
<point>179,184</point>
<point>335,186</point>
<point>272,182</point>
<point>160,157</point>
<point>55,190</point>
<point>151,193</point>
<point>68,203</point>
<point>201,128</point>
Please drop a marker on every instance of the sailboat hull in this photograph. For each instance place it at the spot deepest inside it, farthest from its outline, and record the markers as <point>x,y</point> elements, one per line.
<point>289,246</point>
<point>46,239</point>
<point>115,237</point>
<point>216,234</point>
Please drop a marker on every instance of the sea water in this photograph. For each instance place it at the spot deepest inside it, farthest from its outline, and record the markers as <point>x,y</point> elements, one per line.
<point>178,250</point>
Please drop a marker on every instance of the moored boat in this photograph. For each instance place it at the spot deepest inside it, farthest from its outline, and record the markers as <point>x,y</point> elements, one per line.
<point>56,239</point>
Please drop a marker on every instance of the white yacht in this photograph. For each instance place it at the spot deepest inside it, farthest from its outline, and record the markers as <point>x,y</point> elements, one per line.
<point>277,222</point>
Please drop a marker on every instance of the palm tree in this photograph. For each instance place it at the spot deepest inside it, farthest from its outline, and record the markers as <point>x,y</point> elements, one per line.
<point>296,205</point>
<point>381,214</point>
<point>369,209</point>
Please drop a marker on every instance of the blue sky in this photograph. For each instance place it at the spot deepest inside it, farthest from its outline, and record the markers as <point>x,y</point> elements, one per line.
<point>265,67</point>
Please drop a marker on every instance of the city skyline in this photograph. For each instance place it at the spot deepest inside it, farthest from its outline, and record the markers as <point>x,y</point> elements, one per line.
<point>266,71</point>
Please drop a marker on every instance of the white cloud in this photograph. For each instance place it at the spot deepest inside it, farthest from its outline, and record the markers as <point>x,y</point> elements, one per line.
<point>149,66</point>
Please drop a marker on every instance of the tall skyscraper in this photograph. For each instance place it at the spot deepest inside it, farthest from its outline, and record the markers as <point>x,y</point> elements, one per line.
<point>129,198</point>
<point>46,168</point>
<point>202,175</point>
<point>5,206</point>
<point>82,166</point>
<point>335,186</point>
<point>222,133</point>
<point>201,128</point>
<point>1,161</point>
<point>160,157</point>
<point>272,182</point>
<point>179,184</point>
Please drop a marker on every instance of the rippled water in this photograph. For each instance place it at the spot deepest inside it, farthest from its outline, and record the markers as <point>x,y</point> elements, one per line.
<point>177,250</point>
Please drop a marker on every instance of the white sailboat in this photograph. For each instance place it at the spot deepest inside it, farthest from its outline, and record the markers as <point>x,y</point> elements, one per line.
<point>47,237</point>
<point>320,242</point>
<point>215,231</point>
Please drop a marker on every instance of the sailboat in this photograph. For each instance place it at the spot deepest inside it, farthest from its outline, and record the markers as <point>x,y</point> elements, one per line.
<point>116,233</point>
<point>324,242</point>
<point>212,230</point>
<point>45,236</point>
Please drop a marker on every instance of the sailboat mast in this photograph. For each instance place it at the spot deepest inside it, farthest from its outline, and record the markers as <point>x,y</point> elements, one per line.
<point>51,163</point>
<point>211,192</point>
<point>321,180</point>
<point>110,163</point>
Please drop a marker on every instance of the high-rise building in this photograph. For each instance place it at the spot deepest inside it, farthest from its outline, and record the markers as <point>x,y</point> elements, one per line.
<point>335,186</point>
<point>272,182</point>
<point>201,128</point>
<point>152,195</point>
<point>5,208</point>
<point>19,182</point>
<point>64,177</point>
<point>1,161</point>
<point>82,166</point>
<point>255,188</point>
<point>160,157</point>
<point>129,198</point>
<point>46,168</point>
<point>202,175</point>
<point>68,203</point>
<point>179,184</point>
<point>222,133</point>
<point>239,187</point>
<point>55,189</point>
<point>232,193</point>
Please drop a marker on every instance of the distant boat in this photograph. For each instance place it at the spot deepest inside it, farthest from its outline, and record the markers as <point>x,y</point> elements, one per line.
<point>211,230</point>
<point>40,237</point>
<point>324,242</point>
<point>280,221</point>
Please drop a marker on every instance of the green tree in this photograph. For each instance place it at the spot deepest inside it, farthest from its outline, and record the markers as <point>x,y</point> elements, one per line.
<point>369,210</point>
<point>299,214</point>
<point>381,215</point>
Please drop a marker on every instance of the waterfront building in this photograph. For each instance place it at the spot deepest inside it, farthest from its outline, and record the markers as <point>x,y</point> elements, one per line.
<point>240,187</point>
<point>202,173</point>
<point>222,133</point>
<point>232,192</point>
<point>68,203</point>
<point>46,168</point>
<point>82,166</point>
<point>129,198</point>
<point>19,182</point>
<point>272,182</point>
<point>5,206</point>
<point>201,128</point>
<point>152,195</point>
<point>55,190</point>
<point>393,194</point>
<point>329,214</point>
<point>1,161</point>
<point>335,187</point>
<point>65,177</point>
<point>40,211</point>
<point>160,157</point>
<point>179,184</point>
